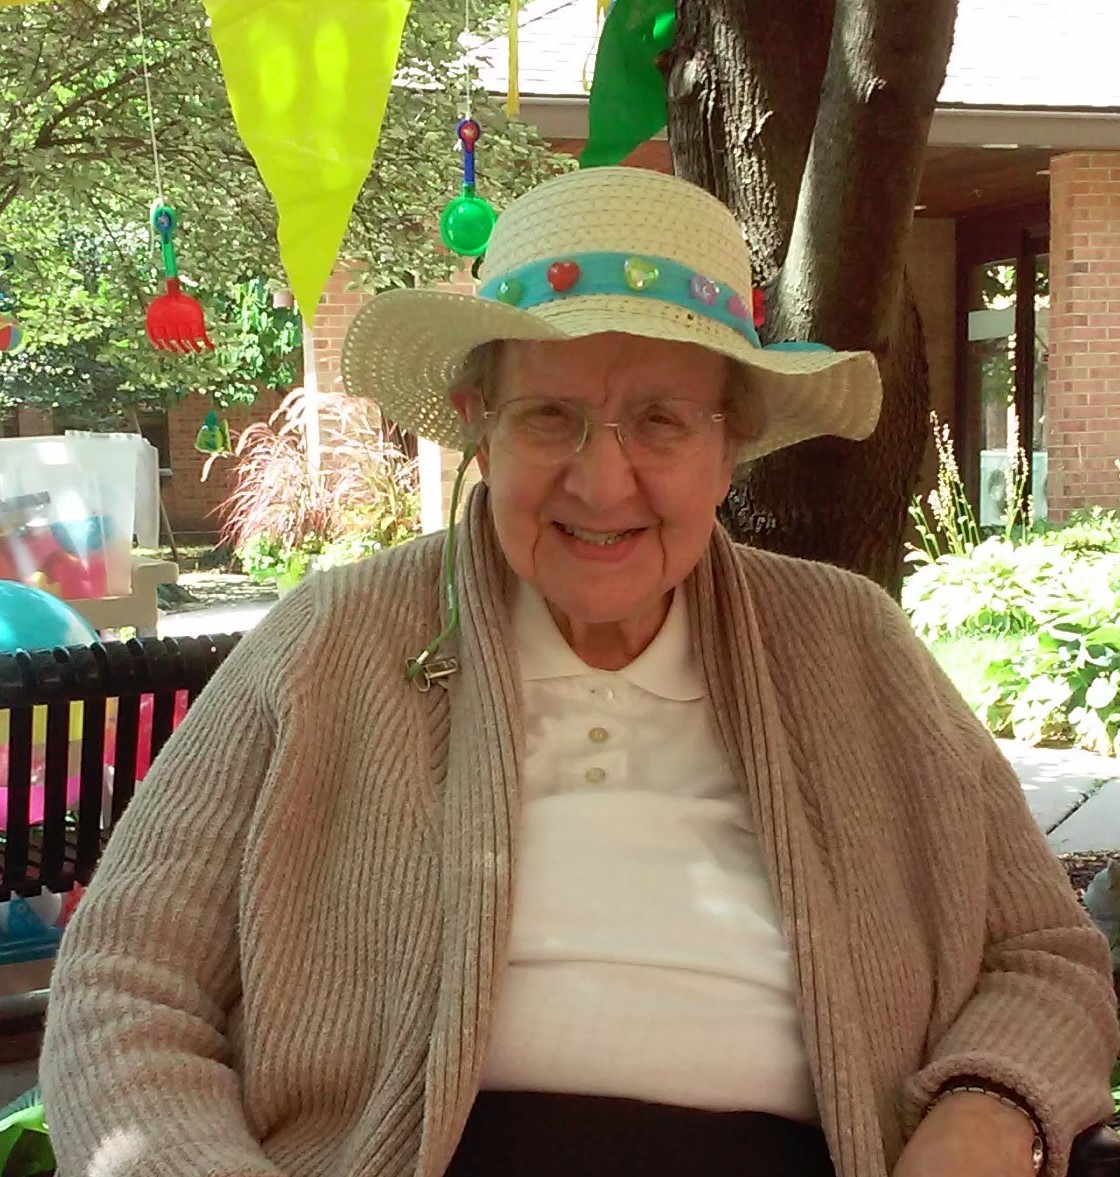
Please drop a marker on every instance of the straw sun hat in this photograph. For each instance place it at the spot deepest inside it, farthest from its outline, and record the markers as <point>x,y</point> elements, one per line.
<point>605,249</point>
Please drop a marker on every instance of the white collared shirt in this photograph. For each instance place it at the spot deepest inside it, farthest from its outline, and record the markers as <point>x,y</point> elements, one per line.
<point>646,957</point>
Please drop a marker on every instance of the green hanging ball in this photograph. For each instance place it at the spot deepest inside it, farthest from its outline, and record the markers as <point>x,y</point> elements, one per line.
<point>466,224</point>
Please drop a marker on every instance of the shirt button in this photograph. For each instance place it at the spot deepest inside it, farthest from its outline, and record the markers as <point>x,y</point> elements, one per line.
<point>595,776</point>
<point>604,693</point>
<point>598,735</point>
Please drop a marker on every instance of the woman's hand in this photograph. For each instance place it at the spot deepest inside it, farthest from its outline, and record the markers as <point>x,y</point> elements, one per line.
<point>969,1133</point>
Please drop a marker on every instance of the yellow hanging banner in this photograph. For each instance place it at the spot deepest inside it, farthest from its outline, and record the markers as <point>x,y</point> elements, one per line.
<point>308,84</point>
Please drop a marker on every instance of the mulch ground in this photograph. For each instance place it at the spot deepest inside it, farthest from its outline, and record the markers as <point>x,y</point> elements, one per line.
<point>1082,867</point>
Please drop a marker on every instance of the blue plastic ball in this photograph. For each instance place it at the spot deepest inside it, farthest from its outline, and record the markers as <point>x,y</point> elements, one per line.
<point>31,619</point>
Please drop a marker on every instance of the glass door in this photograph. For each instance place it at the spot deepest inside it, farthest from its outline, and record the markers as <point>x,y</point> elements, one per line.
<point>1006,384</point>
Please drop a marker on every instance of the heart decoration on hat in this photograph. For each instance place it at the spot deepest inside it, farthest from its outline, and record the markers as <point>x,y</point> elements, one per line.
<point>562,276</point>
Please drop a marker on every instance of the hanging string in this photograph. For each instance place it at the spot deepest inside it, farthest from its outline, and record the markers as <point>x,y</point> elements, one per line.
<point>513,87</point>
<point>467,38</point>
<point>148,100</point>
<point>602,7</point>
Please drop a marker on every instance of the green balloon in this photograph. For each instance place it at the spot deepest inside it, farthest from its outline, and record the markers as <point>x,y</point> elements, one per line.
<point>466,224</point>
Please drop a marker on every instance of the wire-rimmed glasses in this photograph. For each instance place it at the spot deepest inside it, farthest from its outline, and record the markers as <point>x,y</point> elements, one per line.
<point>547,431</point>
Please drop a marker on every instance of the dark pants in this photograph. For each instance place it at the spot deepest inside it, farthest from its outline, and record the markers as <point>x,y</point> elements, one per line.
<point>528,1134</point>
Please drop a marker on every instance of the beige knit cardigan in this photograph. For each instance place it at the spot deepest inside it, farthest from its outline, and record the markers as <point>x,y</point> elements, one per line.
<point>288,958</point>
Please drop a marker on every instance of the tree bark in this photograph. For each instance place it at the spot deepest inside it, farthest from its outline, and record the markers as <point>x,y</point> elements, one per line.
<point>809,120</point>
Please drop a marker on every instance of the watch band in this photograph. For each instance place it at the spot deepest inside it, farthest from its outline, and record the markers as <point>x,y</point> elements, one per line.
<point>1008,1098</point>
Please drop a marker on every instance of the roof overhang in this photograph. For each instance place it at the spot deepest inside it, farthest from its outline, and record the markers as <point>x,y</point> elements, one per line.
<point>1059,130</point>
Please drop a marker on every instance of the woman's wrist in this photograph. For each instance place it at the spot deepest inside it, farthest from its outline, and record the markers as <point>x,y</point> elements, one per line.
<point>997,1094</point>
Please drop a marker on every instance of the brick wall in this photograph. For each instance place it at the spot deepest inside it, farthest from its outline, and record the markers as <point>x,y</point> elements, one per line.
<point>32,423</point>
<point>1083,391</point>
<point>192,505</point>
<point>337,307</point>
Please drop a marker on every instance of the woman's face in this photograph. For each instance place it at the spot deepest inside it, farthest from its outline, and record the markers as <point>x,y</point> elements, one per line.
<point>552,520</point>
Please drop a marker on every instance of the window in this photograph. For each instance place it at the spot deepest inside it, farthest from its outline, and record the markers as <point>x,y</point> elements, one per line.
<point>154,427</point>
<point>1003,299</point>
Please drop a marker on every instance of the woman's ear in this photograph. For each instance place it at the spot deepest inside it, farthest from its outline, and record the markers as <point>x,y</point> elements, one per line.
<point>466,400</point>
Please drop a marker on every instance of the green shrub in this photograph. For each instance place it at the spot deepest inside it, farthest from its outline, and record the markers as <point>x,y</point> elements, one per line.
<point>1095,530</point>
<point>1030,634</point>
<point>296,504</point>
<point>966,659</point>
<point>998,586</point>
<point>1026,622</point>
<point>1063,685</point>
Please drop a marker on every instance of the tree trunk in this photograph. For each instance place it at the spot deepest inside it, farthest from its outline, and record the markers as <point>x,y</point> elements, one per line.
<point>809,120</point>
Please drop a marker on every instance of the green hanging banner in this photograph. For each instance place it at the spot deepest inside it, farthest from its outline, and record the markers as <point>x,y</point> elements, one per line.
<point>627,104</point>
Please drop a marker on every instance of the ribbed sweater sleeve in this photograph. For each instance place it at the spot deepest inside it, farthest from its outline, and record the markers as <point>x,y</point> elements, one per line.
<point>136,1069</point>
<point>1042,1019</point>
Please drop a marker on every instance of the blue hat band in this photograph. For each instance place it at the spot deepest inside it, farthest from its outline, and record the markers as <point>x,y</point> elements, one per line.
<point>579,275</point>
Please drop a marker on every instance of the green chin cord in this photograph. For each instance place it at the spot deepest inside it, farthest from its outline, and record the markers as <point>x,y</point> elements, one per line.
<point>425,668</point>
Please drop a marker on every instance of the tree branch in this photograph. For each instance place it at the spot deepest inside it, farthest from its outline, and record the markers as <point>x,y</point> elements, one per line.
<point>45,138</point>
<point>8,195</point>
<point>127,270</point>
<point>886,66</point>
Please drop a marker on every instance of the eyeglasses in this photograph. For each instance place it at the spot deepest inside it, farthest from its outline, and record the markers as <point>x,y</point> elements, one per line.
<point>548,432</point>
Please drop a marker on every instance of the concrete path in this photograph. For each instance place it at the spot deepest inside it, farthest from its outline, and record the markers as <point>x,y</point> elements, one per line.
<point>212,619</point>
<point>1074,795</point>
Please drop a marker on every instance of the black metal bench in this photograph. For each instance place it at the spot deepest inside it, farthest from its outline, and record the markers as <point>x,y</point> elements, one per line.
<point>62,851</point>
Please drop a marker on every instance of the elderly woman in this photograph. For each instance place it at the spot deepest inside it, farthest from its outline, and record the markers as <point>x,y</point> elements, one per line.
<point>583,842</point>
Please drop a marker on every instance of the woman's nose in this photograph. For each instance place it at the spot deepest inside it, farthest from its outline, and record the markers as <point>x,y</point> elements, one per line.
<point>601,474</point>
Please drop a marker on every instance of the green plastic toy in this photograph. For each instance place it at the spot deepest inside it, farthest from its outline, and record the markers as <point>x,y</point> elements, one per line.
<point>25,1144</point>
<point>213,438</point>
<point>468,220</point>
<point>627,104</point>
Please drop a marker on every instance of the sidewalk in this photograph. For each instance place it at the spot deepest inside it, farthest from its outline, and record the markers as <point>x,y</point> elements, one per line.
<point>1074,795</point>
<point>212,619</point>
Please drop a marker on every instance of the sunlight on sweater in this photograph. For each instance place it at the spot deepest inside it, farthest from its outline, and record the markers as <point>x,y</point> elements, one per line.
<point>117,1153</point>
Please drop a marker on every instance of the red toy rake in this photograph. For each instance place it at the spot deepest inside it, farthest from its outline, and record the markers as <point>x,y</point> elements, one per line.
<point>174,319</point>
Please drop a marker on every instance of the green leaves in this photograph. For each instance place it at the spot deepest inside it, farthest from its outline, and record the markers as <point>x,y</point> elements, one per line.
<point>1057,600</point>
<point>1063,686</point>
<point>77,180</point>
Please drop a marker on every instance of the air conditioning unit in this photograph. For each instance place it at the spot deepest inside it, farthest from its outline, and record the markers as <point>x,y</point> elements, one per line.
<point>994,471</point>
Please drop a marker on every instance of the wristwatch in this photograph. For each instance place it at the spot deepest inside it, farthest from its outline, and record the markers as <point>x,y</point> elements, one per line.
<point>1008,1098</point>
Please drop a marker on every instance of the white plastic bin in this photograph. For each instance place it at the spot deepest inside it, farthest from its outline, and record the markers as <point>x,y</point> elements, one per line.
<point>67,512</point>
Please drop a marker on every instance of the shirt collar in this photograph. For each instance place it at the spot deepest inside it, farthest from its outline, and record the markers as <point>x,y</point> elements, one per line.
<point>667,667</point>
